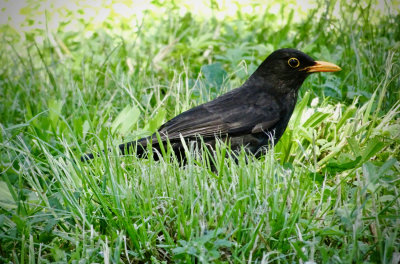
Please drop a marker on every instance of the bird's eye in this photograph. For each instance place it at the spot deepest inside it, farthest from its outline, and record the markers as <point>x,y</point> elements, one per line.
<point>293,62</point>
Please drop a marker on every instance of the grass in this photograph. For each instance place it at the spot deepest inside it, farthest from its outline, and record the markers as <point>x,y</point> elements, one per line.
<point>327,192</point>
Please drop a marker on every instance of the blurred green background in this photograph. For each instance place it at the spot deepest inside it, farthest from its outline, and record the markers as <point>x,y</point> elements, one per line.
<point>80,76</point>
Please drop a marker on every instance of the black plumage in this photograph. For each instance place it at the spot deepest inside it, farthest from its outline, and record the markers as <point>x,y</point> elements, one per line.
<point>253,115</point>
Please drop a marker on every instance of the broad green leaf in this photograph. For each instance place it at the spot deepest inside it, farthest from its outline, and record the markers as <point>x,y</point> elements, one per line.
<point>214,73</point>
<point>125,120</point>
<point>299,110</point>
<point>370,170</point>
<point>85,127</point>
<point>386,166</point>
<point>316,119</point>
<point>354,145</point>
<point>156,121</point>
<point>386,198</point>
<point>346,116</point>
<point>368,108</point>
<point>374,146</point>
<point>345,161</point>
<point>6,200</point>
<point>55,107</point>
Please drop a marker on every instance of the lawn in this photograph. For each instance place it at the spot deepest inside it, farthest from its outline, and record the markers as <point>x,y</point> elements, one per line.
<point>83,76</point>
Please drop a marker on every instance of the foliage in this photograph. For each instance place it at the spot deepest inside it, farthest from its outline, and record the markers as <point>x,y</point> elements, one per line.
<point>82,78</point>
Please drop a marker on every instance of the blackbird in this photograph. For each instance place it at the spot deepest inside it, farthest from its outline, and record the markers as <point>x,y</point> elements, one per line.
<point>253,116</point>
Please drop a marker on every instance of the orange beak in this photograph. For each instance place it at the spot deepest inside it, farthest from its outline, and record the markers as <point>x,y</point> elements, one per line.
<point>322,66</point>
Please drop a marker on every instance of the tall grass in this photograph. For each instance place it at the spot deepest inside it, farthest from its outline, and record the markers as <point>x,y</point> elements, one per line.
<point>327,192</point>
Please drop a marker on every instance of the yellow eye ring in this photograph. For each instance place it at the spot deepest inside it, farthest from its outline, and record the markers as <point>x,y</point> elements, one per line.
<point>293,62</point>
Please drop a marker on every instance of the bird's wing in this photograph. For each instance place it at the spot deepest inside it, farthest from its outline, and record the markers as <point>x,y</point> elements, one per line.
<point>234,113</point>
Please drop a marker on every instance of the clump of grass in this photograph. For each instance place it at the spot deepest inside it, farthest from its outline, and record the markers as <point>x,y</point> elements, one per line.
<point>328,191</point>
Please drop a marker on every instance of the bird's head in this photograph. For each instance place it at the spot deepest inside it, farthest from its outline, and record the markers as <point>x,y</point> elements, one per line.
<point>286,69</point>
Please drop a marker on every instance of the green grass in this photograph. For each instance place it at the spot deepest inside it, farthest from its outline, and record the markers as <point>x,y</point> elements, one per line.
<point>328,192</point>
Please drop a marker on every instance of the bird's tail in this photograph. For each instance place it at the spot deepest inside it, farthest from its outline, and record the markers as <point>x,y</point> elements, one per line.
<point>137,147</point>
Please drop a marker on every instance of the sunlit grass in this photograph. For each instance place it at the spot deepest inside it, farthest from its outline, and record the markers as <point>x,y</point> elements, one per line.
<point>327,192</point>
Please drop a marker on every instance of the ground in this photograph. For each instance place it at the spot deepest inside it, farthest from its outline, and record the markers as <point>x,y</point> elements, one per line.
<point>82,76</point>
